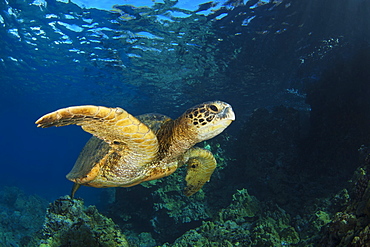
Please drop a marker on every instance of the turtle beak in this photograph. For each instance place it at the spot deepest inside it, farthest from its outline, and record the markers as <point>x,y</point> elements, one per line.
<point>228,113</point>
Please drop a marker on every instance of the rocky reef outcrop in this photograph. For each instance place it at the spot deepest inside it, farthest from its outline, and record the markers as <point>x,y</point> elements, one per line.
<point>350,226</point>
<point>243,223</point>
<point>21,217</point>
<point>69,223</point>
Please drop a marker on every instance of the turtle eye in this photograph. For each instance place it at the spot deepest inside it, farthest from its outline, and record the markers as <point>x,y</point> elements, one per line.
<point>213,108</point>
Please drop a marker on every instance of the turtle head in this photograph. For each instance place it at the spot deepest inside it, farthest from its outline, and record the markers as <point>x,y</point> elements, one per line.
<point>209,119</point>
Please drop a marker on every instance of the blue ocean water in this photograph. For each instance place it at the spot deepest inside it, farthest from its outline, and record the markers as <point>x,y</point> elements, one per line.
<point>166,56</point>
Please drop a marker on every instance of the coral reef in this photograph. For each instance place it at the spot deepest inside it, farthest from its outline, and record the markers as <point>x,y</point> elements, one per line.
<point>69,223</point>
<point>21,217</point>
<point>243,223</point>
<point>351,225</point>
<point>246,221</point>
<point>176,206</point>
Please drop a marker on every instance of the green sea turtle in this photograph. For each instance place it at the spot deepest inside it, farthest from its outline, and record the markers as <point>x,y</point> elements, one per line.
<point>127,150</point>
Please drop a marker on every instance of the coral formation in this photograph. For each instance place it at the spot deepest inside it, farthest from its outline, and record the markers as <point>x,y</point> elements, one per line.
<point>243,223</point>
<point>246,221</point>
<point>69,223</point>
<point>351,225</point>
<point>21,217</point>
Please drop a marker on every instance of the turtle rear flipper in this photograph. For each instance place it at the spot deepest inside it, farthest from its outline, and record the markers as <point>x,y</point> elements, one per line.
<point>200,166</point>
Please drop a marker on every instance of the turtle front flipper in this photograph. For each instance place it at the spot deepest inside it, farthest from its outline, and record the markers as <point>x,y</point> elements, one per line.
<point>200,166</point>
<point>115,126</point>
<point>118,159</point>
